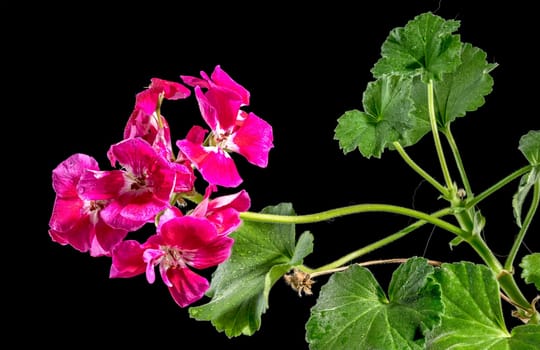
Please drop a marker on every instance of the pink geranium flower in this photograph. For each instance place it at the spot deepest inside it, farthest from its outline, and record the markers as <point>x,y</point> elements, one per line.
<point>146,120</point>
<point>138,191</point>
<point>224,211</point>
<point>181,244</point>
<point>76,221</point>
<point>233,130</point>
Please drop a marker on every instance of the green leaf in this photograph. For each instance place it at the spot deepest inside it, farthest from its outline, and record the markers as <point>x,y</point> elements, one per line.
<point>457,93</point>
<point>526,337</point>
<point>460,91</point>
<point>353,312</point>
<point>531,269</point>
<point>525,185</point>
<point>240,287</point>
<point>529,145</point>
<point>424,46</point>
<point>473,313</point>
<point>386,118</point>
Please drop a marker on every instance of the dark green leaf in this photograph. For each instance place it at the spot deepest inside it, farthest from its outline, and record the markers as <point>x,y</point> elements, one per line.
<point>464,89</point>
<point>529,145</point>
<point>386,118</point>
<point>525,185</point>
<point>473,313</point>
<point>424,46</point>
<point>352,311</point>
<point>262,254</point>
<point>531,269</point>
<point>457,93</point>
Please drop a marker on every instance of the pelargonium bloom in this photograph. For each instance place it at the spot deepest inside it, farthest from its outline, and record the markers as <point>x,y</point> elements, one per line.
<point>181,243</point>
<point>146,120</point>
<point>224,211</point>
<point>234,130</point>
<point>76,221</point>
<point>138,191</point>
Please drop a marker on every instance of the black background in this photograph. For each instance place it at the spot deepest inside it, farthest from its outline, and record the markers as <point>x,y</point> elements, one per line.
<point>304,66</point>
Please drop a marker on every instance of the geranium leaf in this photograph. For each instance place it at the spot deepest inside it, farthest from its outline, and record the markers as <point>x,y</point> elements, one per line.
<point>458,92</point>
<point>239,290</point>
<point>531,269</point>
<point>473,314</point>
<point>353,312</point>
<point>525,185</point>
<point>386,117</point>
<point>529,145</point>
<point>425,46</point>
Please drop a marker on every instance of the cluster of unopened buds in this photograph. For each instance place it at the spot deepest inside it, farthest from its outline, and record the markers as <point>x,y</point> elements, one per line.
<point>96,210</point>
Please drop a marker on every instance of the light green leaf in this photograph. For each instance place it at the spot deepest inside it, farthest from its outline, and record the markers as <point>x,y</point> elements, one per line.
<point>525,185</point>
<point>529,145</point>
<point>353,312</point>
<point>240,287</point>
<point>386,118</point>
<point>473,313</point>
<point>424,46</point>
<point>457,93</point>
<point>531,269</point>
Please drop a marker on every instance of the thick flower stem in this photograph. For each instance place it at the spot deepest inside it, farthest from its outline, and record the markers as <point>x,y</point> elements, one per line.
<point>353,209</point>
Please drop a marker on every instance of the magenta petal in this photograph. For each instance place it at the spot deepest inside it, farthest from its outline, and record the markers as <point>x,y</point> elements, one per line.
<point>171,90</point>
<point>187,232</point>
<point>147,101</point>
<point>207,109</point>
<point>65,213</point>
<point>100,185</point>
<point>254,140</point>
<point>215,165</point>
<point>127,260</point>
<point>67,174</point>
<point>79,235</point>
<point>213,253</point>
<point>107,237</point>
<point>117,216</point>
<point>219,77</point>
<point>198,236</point>
<point>239,201</point>
<point>187,286</point>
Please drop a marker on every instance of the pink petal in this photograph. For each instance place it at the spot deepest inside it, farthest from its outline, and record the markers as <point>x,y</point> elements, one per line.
<point>254,140</point>
<point>100,185</point>
<point>67,174</point>
<point>215,165</point>
<point>213,253</point>
<point>219,77</point>
<point>187,286</point>
<point>127,260</point>
<point>107,237</point>
<point>187,232</point>
<point>171,90</point>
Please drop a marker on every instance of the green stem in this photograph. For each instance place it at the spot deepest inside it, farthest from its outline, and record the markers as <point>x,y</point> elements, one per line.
<point>506,280</point>
<point>378,244</point>
<point>509,264</point>
<point>516,174</point>
<point>435,132</point>
<point>353,209</point>
<point>459,162</point>
<point>443,190</point>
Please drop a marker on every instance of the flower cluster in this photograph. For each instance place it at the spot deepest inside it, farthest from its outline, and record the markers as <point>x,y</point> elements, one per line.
<point>95,210</point>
